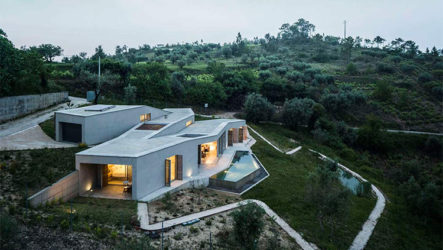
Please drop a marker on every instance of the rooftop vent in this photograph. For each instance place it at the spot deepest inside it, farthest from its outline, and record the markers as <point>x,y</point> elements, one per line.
<point>99,108</point>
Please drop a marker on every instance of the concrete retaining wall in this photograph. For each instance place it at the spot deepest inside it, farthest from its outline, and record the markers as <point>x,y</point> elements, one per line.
<point>66,188</point>
<point>15,106</point>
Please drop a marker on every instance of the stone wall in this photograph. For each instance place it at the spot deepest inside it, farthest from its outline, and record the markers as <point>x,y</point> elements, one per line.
<point>66,188</point>
<point>16,106</point>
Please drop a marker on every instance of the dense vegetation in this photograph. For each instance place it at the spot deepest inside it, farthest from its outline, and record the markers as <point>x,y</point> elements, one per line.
<point>319,87</point>
<point>348,78</point>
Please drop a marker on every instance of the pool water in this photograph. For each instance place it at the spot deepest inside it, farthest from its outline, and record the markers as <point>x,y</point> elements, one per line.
<point>242,165</point>
<point>348,180</point>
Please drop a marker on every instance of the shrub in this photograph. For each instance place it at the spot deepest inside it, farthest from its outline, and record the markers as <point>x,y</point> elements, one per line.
<point>248,224</point>
<point>178,236</point>
<point>383,91</point>
<point>264,74</point>
<point>424,77</point>
<point>8,229</point>
<point>434,146</point>
<point>258,108</point>
<point>193,230</point>
<point>297,112</point>
<point>351,69</point>
<point>407,68</point>
<point>385,68</point>
<point>364,189</point>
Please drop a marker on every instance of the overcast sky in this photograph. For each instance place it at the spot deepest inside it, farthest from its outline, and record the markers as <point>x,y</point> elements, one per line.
<point>81,25</point>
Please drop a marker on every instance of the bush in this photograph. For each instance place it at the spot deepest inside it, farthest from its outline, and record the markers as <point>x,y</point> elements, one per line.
<point>383,91</point>
<point>434,146</point>
<point>407,68</point>
<point>351,69</point>
<point>8,230</point>
<point>364,189</point>
<point>371,137</point>
<point>258,108</point>
<point>248,224</point>
<point>264,74</point>
<point>385,68</point>
<point>424,77</point>
<point>297,112</point>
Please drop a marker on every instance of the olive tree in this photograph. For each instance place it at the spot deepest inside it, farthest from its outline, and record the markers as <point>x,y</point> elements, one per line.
<point>258,108</point>
<point>297,112</point>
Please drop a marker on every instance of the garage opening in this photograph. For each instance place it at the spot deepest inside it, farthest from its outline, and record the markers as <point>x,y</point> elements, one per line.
<point>71,132</point>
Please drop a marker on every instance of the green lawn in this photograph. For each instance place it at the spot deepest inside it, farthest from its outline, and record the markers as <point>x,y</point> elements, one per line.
<point>98,211</point>
<point>48,127</point>
<point>285,192</point>
<point>396,229</point>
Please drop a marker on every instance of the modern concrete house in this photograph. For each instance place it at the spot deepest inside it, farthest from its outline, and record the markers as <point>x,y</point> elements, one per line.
<point>149,151</point>
<point>100,123</point>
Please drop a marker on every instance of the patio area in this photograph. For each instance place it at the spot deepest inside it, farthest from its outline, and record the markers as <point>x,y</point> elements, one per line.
<point>109,192</point>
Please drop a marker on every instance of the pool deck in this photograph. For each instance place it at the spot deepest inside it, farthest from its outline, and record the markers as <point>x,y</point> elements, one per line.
<point>206,171</point>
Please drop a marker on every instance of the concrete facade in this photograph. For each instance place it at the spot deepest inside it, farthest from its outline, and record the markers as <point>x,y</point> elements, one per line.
<point>146,150</point>
<point>98,127</point>
<point>16,106</point>
<point>64,189</point>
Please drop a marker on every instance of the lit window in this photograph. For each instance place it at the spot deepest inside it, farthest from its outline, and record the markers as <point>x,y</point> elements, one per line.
<point>145,117</point>
<point>188,123</point>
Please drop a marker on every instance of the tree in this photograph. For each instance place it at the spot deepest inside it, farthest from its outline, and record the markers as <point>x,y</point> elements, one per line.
<point>177,84</point>
<point>258,108</point>
<point>329,199</point>
<point>379,40</point>
<point>297,112</point>
<point>49,51</point>
<point>130,94</point>
<point>99,52</point>
<point>248,224</point>
<point>152,81</point>
<point>371,136</point>
<point>383,91</point>
<point>106,79</point>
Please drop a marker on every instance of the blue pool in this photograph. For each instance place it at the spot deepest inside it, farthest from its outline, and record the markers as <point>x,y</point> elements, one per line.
<point>241,166</point>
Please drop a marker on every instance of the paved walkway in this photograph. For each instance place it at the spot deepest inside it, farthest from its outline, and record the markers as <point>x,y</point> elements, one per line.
<point>363,236</point>
<point>266,140</point>
<point>142,212</point>
<point>25,133</point>
<point>31,120</point>
<point>365,233</point>
<point>294,150</point>
<point>31,138</point>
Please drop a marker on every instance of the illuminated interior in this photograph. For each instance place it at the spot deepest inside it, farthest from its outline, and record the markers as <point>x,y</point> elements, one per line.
<point>173,167</point>
<point>117,174</point>
<point>209,152</point>
<point>145,117</point>
<point>188,123</point>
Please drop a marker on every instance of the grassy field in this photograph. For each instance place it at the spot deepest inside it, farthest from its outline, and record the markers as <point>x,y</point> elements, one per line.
<point>396,229</point>
<point>285,192</point>
<point>48,127</point>
<point>104,212</point>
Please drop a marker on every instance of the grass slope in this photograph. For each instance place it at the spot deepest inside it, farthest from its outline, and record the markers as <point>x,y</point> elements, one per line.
<point>284,191</point>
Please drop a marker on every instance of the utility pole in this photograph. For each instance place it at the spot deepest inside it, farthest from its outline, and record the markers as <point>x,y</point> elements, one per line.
<point>344,29</point>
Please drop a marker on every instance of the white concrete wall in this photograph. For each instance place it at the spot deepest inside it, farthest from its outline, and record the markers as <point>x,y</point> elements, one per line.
<point>15,106</point>
<point>85,165</point>
<point>66,188</point>
<point>150,170</point>
<point>99,128</point>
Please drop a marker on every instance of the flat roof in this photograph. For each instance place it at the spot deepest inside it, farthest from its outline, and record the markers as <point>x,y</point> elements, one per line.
<point>97,109</point>
<point>135,142</point>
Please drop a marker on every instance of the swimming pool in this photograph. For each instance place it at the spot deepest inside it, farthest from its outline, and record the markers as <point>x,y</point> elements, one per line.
<point>242,169</point>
